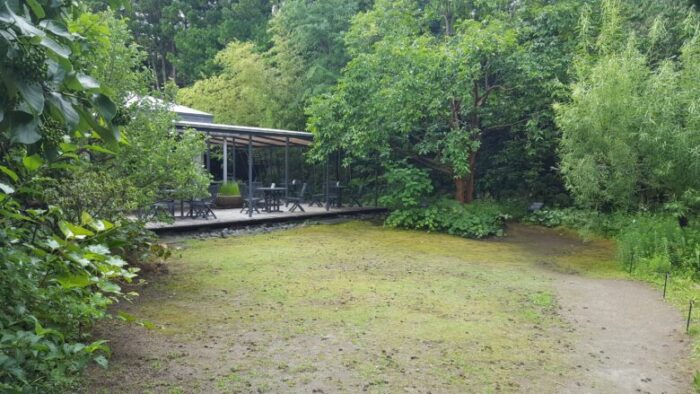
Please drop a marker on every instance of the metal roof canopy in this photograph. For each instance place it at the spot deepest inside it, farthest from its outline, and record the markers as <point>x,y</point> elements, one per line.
<point>240,136</point>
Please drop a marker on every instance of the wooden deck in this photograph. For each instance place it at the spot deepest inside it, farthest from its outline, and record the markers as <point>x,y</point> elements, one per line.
<point>234,218</point>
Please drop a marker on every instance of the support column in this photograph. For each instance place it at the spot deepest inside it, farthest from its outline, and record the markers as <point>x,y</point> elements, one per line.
<point>225,160</point>
<point>286,168</point>
<point>250,176</point>
<point>325,182</point>
<point>208,156</point>
<point>233,159</point>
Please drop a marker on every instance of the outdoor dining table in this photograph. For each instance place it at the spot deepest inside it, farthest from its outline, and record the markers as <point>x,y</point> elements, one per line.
<point>171,193</point>
<point>273,198</point>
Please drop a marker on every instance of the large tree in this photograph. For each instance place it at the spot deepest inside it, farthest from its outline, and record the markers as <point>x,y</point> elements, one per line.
<point>426,84</point>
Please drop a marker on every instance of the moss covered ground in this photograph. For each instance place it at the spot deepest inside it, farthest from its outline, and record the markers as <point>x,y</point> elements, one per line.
<point>352,307</point>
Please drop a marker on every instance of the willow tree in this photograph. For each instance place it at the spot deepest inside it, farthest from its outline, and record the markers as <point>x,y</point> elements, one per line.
<point>630,132</point>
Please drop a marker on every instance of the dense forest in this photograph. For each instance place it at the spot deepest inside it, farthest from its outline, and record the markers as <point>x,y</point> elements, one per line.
<point>470,109</point>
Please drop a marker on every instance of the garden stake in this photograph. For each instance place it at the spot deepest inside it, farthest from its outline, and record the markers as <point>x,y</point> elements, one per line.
<point>632,262</point>
<point>690,311</point>
<point>665,282</point>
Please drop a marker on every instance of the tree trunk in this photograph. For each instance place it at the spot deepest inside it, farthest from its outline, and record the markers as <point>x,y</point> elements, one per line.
<point>471,187</point>
<point>465,186</point>
<point>460,189</point>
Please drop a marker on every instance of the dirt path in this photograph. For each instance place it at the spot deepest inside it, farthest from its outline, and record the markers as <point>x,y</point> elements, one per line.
<point>629,339</point>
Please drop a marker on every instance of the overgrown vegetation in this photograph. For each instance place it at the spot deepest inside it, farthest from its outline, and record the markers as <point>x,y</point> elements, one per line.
<point>74,162</point>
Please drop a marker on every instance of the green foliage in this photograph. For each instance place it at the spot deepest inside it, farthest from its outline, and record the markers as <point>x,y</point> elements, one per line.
<point>407,187</point>
<point>182,37</point>
<point>630,131</point>
<point>432,83</point>
<point>649,242</point>
<point>230,189</point>
<point>61,265</point>
<point>43,91</point>
<point>110,55</point>
<point>241,93</point>
<point>56,278</point>
<point>658,243</point>
<point>479,220</point>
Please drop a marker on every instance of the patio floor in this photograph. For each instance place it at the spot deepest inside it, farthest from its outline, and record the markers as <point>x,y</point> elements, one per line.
<point>234,217</point>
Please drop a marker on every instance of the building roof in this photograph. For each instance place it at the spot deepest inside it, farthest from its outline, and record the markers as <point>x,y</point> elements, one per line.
<point>240,136</point>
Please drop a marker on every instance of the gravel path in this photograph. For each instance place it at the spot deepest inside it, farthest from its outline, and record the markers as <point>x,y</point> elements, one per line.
<point>629,339</point>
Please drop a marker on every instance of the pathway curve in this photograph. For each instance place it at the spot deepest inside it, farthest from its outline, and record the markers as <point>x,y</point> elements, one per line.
<point>629,339</point>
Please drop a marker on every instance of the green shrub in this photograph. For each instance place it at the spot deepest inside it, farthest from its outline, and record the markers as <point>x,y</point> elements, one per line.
<point>230,189</point>
<point>656,242</point>
<point>478,220</point>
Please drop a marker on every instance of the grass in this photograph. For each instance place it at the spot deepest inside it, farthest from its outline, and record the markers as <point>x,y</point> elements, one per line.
<point>352,307</point>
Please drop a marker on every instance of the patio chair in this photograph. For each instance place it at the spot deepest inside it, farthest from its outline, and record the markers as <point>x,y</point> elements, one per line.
<point>158,208</point>
<point>248,202</point>
<point>292,190</point>
<point>203,207</point>
<point>317,198</point>
<point>333,194</point>
<point>355,196</point>
<point>298,200</point>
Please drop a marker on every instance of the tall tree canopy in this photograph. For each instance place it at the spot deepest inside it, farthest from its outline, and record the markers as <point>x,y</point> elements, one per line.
<point>431,81</point>
<point>182,37</point>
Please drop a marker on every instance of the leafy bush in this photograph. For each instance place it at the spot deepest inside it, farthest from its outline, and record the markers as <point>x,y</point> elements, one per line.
<point>407,188</point>
<point>477,220</point>
<point>56,279</point>
<point>658,243</point>
<point>230,189</point>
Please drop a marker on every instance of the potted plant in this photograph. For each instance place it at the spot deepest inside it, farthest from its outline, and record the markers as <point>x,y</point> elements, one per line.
<point>229,196</point>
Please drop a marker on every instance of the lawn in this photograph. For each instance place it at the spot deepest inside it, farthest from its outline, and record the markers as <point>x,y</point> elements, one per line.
<point>352,307</point>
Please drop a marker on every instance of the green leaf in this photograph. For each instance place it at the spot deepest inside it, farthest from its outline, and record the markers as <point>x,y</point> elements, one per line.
<point>87,82</point>
<point>105,106</point>
<point>10,173</point>
<point>60,50</point>
<point>25,26</point>
<point>109,136</point>
<point>56,27</point>
<point>77,281</point>
<point>97,148</point>
<point>63,108</point>
<point>70,230</point>
<point>33,94</point>
<point>24,128</point>
<point>102,361</point>
<point>32,163</point>
<point>109,287</point>
<point>7,189</point>
<point>37,9</point>
<point>42,332</point>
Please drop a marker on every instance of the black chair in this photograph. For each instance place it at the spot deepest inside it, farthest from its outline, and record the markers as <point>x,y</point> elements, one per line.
<point>157,210</point>
<point>333,195</point>
<point>357,195</point>
<point>249,203</point>
<point>292,188</point>
<point>298,200</point>
<point>203,207</point>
